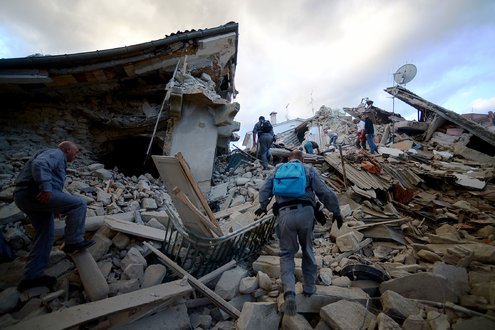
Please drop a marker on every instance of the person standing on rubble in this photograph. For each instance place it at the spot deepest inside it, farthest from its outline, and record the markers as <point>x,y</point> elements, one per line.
<point>361,137</point>
<point>369,131</point>
<point>39,193</point>
<point>491,117</point>
<point>311,147</point>
<point>296,220</point>
<point>332,135</point>
<point>263,129</point>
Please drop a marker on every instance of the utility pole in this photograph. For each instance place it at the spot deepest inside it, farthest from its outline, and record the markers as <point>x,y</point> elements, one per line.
<point>311,102</point>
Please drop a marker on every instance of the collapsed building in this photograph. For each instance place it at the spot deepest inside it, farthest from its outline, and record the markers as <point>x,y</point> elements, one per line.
<point>123,104</point>
<point>416,250</point>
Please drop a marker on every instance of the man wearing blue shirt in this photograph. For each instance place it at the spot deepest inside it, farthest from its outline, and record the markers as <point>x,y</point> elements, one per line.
<point>39,194</point>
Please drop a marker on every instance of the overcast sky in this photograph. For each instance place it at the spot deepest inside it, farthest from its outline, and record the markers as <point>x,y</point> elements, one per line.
<point>294,55</point>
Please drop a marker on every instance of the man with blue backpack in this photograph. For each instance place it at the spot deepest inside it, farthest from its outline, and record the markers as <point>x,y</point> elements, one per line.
<point>295,187</point>
<point>264,131</point>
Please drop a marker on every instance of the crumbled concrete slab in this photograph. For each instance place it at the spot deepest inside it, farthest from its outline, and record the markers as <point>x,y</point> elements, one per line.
<point>348,242</point>
<point>425,286</point>
<point>457,277</point>
<point>398,307</point>
<point>101,247</point>
<point>10,213</point>
<point>270,265</point>
<point>296,322</point>
<point>248,285</point>
<point>259,315</point>
<point>325,295</point>
<point>476,322</point>
<point>264,281</point>
<point>415,322</point>
<point>33,307</point>
<point>437,321</point>
<point>153,275</point>
<point>172,318</point>
<point>385,322</point>
<point>8,300</point>
<point>336,315</point>
<point>227,286</point>
<point>238,303</point>
<point>133,256</point>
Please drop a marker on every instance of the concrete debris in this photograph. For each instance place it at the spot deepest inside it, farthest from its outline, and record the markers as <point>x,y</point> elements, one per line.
<point>419,226</point>
<point>337,315</point>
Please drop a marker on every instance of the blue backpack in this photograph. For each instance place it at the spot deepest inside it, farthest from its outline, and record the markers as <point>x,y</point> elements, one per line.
<point>290,180</point>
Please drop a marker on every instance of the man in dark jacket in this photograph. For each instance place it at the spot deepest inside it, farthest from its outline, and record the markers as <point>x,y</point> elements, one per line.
<point>369,131</point>
<point>39,193</point>
<point>296,222</point>
<point>265,140</point>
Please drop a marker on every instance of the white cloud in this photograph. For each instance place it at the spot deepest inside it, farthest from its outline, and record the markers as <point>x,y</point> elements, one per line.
<point>337,51</point>
<point>480,105</point>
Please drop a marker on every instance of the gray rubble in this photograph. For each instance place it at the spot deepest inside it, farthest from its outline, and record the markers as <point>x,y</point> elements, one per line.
<point>430,265</point>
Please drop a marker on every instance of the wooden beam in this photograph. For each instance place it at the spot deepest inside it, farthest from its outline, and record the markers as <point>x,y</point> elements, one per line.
<point>229,211</point>
<point>135,229</point>
<point>204,220</point>
<point>216,299</point>
<point>194,185</point>
<point>381,223</point>
<point>73,316</point>
<point>123,318</point>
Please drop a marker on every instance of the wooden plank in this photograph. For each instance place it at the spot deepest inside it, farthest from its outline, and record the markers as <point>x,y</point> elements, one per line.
<point>135,229</point>
<point>381,223</point>
<point>194,185</point>
<point>173,176</point>
<point>72,316</point>
<point>229,211</point>
<point>123,318</point>
<point>216,299</point>
<point>183,198</point>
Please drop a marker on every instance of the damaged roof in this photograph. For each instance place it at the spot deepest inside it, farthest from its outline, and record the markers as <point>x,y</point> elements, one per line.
<point>429,108</point>
<point>213,51</point>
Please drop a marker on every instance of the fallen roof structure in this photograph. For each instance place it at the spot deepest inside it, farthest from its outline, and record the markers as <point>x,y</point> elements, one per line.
<point>438,116</point>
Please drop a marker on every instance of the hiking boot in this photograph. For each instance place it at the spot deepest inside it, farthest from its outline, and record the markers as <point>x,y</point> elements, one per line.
<point>309,294</point>
<point>73,248</point>
<point>290,303</point>
<point>43,280</point>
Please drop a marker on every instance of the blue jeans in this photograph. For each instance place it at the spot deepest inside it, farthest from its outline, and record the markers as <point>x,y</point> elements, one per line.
<point>308,146</point>
<point>41,217</point>
<point>296,227</point>
<point>370,138</point>
<point>265,142</point>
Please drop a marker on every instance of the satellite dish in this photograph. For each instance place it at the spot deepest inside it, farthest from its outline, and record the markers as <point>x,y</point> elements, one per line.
<point>405,74</point>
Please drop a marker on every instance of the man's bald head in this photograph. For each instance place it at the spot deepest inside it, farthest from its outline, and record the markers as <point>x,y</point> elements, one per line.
<point>70,150</point>
<point>296,154</point>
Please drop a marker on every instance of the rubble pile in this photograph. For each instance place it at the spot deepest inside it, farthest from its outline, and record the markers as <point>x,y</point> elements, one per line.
<point>416,250</point>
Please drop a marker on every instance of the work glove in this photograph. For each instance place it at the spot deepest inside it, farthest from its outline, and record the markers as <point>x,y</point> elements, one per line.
<point>339,220</point>
<point>320,217</point>
<point>260,211</point>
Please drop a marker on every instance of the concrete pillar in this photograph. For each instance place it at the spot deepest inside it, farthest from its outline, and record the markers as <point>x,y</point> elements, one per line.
<point>94,283</point>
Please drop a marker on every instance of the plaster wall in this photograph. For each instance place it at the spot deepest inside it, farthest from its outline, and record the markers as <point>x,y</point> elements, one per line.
<point>195,136</point>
